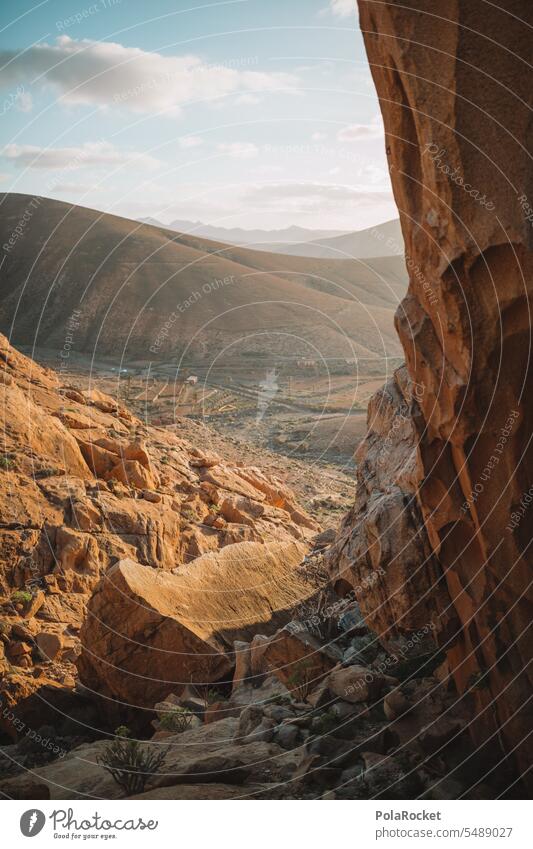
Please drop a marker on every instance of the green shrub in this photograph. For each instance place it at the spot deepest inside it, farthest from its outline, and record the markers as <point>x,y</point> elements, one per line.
<point>21,597</point>
<point>130,763</point>
<point>178,719</point>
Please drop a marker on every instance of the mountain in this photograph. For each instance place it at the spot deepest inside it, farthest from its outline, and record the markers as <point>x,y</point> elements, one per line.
<point>75,279</point>
<point>378,241</point>
<point>240,236</point>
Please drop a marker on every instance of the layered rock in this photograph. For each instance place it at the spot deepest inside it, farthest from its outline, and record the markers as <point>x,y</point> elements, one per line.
<point>84,484</point>
<point>456,103</point>
<point>148,633</point>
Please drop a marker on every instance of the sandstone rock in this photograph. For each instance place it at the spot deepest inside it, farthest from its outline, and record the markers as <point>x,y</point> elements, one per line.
<point>298,660</point>
<point>357,684</point>
<point>469,409</point>
<point>34,605</point>
<point>98,459</point>
<point>258,647</point>
<point>150,495</point>
<point>181,621</point>
<point>132,473</point>
<point>49,644</point>
<point>207,460</point>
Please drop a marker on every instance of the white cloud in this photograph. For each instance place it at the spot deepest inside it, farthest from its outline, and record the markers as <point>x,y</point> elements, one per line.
<point>306,196</point>
<point>319,136</point>
<point>190,141</point>
<point>342,8</point>
<point>361,132</point>
<point>90,154</point>
<point>108,74</point>
<point>239,150</point>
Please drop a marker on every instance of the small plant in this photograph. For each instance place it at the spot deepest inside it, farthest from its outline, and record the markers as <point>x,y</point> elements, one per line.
<point>46,472</point>
<point>178,719</point>
<point>6,463</point>
<point>214,508</point>
<point>21,597</point>
<point>129,762</point>
<point>301,680</point>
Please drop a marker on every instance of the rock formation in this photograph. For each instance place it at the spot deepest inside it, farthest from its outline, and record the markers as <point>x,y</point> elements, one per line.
<point>83,485</point>
<point>456,101</point>
<point>147,634</point>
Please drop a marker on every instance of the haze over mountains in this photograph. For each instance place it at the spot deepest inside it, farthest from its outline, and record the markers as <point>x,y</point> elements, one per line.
<point>147,293</point>
<point>378,241</point>
<point>243,236</point>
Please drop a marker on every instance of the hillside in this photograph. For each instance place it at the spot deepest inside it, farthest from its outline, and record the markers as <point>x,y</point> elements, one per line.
<point>115,287</point>
<point>383,240</point>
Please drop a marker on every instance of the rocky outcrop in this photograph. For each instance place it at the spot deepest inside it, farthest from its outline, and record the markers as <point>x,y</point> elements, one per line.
<point>83,485</point>
<point>147,634</point>
<point>456,103</point>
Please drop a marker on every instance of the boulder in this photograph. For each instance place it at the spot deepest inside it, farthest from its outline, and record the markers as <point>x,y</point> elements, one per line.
<point>357,683</point>
<point>132,473</point>
<point>183,626</point>
<point>298,660</point>
<point>50,645</point>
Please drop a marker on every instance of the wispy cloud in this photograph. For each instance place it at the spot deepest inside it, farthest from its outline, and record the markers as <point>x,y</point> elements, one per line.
<point>110,74</point>
<point>361,132</point>
<point>305,196</point>
<point>90,154</point>
<point>239,150</point>
<point>342,8</point>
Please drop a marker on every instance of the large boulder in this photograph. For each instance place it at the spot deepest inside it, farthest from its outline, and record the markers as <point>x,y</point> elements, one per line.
<point>148,632</point>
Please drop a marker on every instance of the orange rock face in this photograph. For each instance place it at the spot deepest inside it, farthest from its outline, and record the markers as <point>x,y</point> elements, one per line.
<point>83,484</point>
<point>148,633</point>
<point>456,102</point>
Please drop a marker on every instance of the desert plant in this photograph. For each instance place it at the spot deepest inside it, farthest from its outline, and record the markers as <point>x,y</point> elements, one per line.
<point>21,597</point>
<point>178,719</point>
<point>6,463</point>
<point>301,681</point>
<point>130,763</point>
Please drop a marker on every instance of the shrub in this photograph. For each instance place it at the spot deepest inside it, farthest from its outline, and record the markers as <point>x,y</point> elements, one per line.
<point>301,681</point>
<point>21,597</point>
<point>178,719</point>
<point>130,763</point>
<point>6,463</point>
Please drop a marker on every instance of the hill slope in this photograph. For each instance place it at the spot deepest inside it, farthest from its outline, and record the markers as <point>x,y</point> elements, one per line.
<point>114,287</point>
<point>383,240</point>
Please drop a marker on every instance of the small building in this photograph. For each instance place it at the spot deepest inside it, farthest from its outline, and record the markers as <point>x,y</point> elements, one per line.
<point>192,380</point>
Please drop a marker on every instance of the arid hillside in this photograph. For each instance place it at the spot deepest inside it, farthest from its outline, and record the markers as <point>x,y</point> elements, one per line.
<point>140,292</point>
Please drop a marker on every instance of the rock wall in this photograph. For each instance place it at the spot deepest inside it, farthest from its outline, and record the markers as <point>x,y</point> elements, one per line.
<point>455,95</point>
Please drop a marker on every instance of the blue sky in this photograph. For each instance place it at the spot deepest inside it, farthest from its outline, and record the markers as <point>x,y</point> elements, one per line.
<point>242,113</point>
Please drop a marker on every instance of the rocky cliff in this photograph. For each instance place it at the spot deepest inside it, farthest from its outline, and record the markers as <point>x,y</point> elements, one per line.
<point>445,534</point>
<point>85,485</point>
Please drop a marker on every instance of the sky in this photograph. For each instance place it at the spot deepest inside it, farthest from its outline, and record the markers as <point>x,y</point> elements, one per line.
<point>239,113</point>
